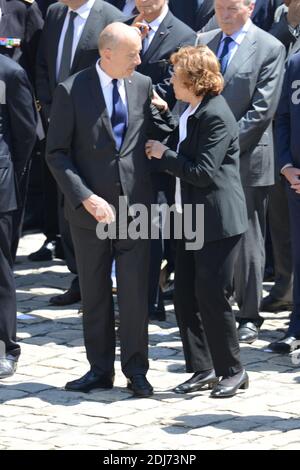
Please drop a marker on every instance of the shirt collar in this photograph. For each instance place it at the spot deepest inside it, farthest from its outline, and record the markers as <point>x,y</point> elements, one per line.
<point>105,79</point>
<point>155,24</point>
<point>84,10</point>
<point>238,36</point>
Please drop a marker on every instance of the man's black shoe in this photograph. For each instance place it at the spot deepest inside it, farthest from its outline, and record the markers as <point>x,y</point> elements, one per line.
<point>90,381</point>
<point>198,381</point>
<point>270,304</point>
<point>248,332</point>
<point>45,253</point>
<point>286,345</point>
<point>228,386</point>
<point>157,315</point>
<point>140,386</point>
<point>67,298</point>
<point>8,366</point>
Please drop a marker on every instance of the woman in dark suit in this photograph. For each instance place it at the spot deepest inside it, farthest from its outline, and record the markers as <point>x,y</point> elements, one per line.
<point>204,158</point>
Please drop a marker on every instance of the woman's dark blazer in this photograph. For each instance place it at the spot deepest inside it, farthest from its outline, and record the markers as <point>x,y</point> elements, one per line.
<point>208,165</point>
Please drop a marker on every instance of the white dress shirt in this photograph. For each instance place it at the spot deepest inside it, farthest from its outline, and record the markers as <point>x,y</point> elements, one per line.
<point>237,37</point>
<point>154,25</point>
<point>182,136</point>
<point>79,23</point>
<point>129,7</point>
<point>107,89</point>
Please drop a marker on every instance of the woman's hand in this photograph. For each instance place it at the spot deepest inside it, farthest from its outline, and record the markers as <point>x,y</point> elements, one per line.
<point>155,149</point>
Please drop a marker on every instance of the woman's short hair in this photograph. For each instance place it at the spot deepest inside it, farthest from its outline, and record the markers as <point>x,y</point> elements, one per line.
<point>199,70</point>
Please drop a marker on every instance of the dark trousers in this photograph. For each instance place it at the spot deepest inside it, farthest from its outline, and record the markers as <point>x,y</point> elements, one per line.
<point>51,228</point>
<point>67,242</point>
<point>203,285</point>
<point>163,193</point>
<point>279,225</point>
<point>8,307</point>
<point>94,260</point>
<point>18,215</point>
<point>250,265</point>
<point>294,211</point>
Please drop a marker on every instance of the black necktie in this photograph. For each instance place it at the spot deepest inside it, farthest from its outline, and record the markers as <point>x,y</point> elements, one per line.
<point>66,57</point>
<point>119,115</point>
<point>224,57</point>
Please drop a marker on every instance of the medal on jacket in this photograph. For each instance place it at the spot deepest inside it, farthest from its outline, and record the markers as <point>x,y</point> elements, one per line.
<point>10,42</point>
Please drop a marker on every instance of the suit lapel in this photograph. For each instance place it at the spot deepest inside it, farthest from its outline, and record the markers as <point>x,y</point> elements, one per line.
<point>131,100</point>
<point>161,34</point>
<point>99,102</point>
<point>56,29</point>
<point>214,43</point>
<point>91,25</point>
<point>243,53</point>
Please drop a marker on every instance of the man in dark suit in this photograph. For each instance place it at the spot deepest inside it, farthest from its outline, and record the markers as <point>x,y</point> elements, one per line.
<point>280,297</point>
<point>20,29</point>
<point>166,35</point>
<point>194,13</point>
<point>96,151</point>
<point>288,151</point>
<point>252,63</point>
<point>21,25</point>
<point>86,18</point>
<point>17,138</point>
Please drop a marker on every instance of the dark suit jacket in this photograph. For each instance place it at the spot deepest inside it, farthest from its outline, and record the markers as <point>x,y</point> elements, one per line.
<point>194,13</point>
<point>208,165</point>
<point>252,89</point>
<point>264,11</point>
<point>117,3</point>
<point>288,116</point>
<point>86,53</point>
<point>81,150</point>
<point>170,36</point>
<point>21,19</point>
<point>17,129</point>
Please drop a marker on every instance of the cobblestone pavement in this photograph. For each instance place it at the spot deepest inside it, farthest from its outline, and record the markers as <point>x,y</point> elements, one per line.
<point>36,412</point>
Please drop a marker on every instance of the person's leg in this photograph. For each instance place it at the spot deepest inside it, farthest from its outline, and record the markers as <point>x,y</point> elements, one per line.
<point>132,271</point>
<point>10,349</point>
<point>294,211</point>
<point>280,295</point>
<point>249,268</point>
<point>94,261</point>
<point>194,341</point>
<point>214,266</point>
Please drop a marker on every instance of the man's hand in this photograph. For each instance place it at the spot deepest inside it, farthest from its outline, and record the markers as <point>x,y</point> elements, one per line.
<point>155,149</point>
<point>142,27</point>
<point>99,209</point>
<point>159,103</point>
<point>293,177</point>
<point>293,16</point>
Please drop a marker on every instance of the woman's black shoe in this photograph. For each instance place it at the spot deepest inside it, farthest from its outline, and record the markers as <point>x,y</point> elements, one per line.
<point>197,382</point>
<point>228,386</point>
